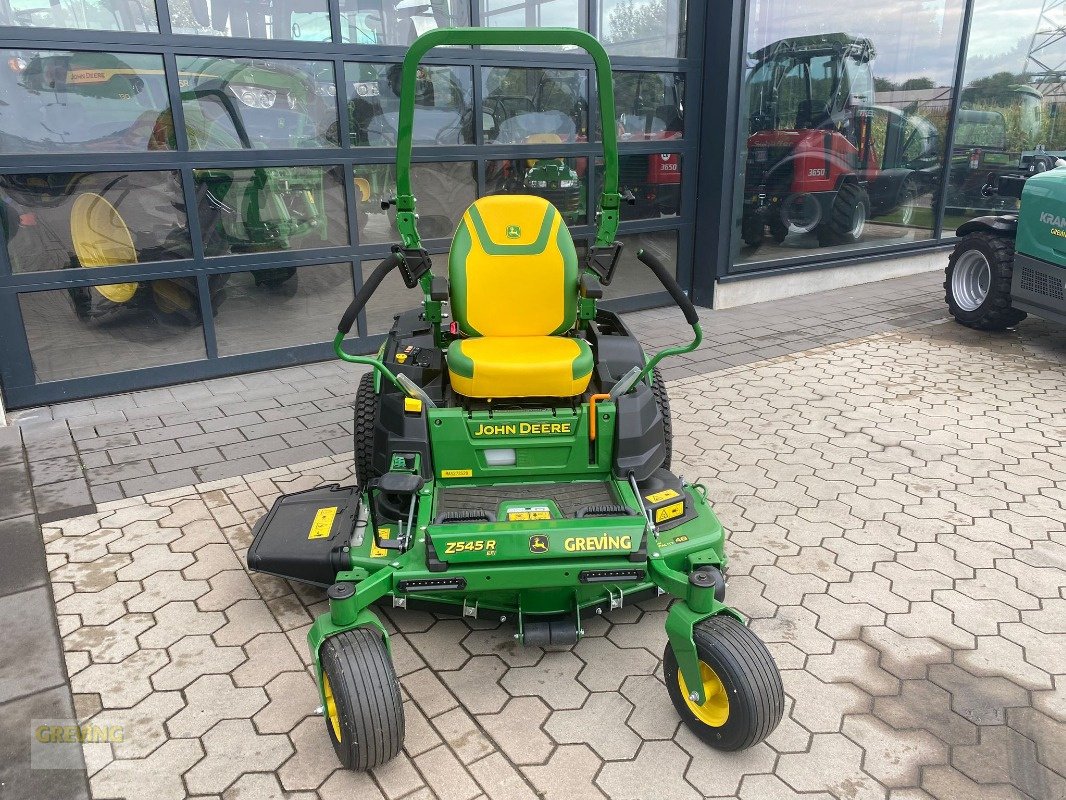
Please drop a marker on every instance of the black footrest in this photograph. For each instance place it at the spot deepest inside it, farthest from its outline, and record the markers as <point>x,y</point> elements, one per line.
<point>607,510</point>
<point>465,515</point>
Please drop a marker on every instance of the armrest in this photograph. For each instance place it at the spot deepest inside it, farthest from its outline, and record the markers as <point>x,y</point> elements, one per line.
<point>438,289</point>
<point>591,287</point>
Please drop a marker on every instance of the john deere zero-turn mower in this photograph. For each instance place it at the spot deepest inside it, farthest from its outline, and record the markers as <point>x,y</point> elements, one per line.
<point>513,465</point>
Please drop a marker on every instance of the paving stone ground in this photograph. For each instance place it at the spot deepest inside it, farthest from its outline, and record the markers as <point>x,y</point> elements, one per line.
<point>897,516</point>
<point>92,451</point>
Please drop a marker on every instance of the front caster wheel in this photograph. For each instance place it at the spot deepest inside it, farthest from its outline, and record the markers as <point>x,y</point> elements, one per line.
<point>363,708</point>
<point>744,696</point>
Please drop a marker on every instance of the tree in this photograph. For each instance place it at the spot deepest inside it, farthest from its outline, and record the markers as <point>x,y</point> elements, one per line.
<point>917,83</point>
<point>997,89</point>
<point>631,22</point>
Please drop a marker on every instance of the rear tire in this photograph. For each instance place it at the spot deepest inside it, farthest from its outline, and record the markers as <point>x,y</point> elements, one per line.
<point>847,218</point>
<point>977,282</point>
<point>744,696</point>
<point>662,400</point>
<point>751,229</point>
<point>364,709</point>
<point>366,411</point>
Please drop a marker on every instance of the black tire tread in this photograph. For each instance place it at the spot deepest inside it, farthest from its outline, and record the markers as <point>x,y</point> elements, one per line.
<point>366,406</point>
<point>368,698</point>
<point>837,227</point>
<point>757,702</point>
<point>996,313</point>
<point>662,400</point>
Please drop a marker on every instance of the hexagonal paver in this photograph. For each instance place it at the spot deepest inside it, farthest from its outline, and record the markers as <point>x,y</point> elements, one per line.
<point>234,748</point>
<point>895,531</point>
<point>517,730</point>
<point>601,723</point>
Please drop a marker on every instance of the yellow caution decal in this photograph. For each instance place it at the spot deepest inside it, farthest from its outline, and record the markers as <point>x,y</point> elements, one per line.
<point>322,525</point>
<point>671,511</point>
<point>528,514</point>
<point>380,552</point>
<point>658,497</point>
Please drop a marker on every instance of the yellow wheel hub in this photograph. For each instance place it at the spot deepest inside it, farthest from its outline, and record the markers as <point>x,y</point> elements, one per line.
<point>102,239</point>
<point>363,185</point>
<point>715,709</point>
<point>331,707</point>
<point>541,138</point>
<point>170,297</point>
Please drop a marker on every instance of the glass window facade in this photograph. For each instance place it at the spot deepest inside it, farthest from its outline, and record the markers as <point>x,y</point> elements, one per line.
<point>842,128</point>
<point>1012,96</point>
<point>167,177</point>
<point>164,174</point>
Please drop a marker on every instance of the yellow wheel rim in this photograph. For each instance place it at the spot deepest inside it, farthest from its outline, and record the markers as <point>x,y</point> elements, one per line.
<point>363,185</point>
<point>541,138</point>
<point>331,707</point>
<point>102,239</point>
<point>715,710</point>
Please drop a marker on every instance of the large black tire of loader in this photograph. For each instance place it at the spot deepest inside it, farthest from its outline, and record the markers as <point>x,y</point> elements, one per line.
<point>751,229</point>
<point>366,410</point>
<point>364,709</point>
<point>750,699</point>
<point>995,312</point>
<point>662,400</point>
<point>843,226</point>
<point>778,228</point>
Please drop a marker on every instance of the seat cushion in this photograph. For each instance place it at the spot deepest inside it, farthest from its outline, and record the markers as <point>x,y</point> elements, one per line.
<point>513,269</point>
<point>519,366</point>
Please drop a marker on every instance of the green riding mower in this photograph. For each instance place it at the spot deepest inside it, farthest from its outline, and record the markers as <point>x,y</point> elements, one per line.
<point>512,465</point>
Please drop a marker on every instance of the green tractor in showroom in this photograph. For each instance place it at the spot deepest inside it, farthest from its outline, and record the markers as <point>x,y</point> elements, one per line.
<point>1007,266</point>
<point>227,104</point>
<point>512,460</point>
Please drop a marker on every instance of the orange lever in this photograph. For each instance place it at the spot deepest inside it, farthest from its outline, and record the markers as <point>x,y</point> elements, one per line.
<point>592,414</point>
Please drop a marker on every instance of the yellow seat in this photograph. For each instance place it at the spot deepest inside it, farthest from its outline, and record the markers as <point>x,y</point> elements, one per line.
<point>513,276</point>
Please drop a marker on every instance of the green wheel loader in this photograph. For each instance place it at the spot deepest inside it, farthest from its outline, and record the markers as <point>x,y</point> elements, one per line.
<point>1007,266</point>
<point>512,459</point>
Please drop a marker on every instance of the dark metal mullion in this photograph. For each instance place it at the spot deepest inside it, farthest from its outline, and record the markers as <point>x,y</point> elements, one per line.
<point>192,216</point>
<point>722,53</point>
<point>183,44</point>
<point>336,34</point>
<point>16,365</point>
<point>246,159</point>
<point>207,314</point>
<point>481,189</point>
<point>953,117</point>
<point>152,270</point>
<point>830,259</point>
<point>353,237</point>
<point>340,85</point>
<point>652,224</point>
<point>162,13</point>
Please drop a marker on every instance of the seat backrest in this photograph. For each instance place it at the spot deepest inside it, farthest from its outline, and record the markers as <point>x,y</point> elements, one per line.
<point>513,269</point>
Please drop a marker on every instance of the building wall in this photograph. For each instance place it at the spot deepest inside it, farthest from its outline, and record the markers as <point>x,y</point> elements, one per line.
<point>194,189</point>
<point>868,133</point>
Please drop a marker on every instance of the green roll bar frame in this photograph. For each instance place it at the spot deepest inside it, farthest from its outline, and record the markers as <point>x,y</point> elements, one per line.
<point>405,201</point>
<point>610,200</point>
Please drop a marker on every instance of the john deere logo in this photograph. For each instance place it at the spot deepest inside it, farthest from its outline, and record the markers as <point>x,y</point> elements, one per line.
<point>513,231</point>
<point>538,544</point>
